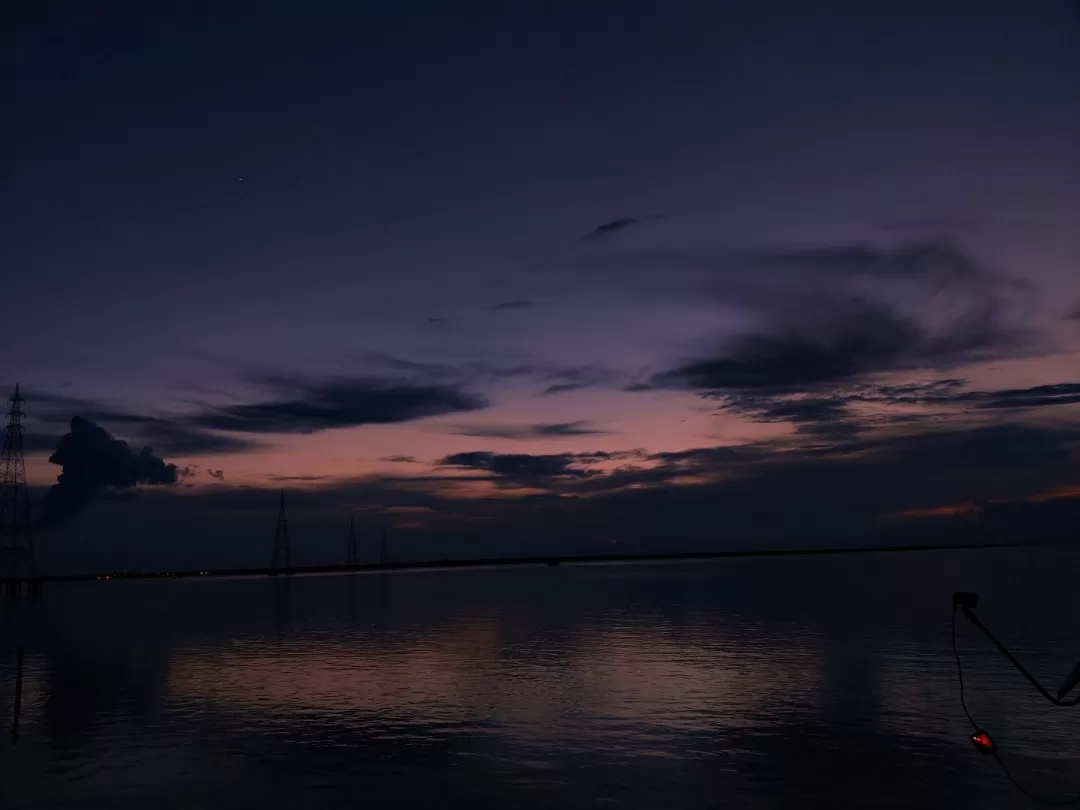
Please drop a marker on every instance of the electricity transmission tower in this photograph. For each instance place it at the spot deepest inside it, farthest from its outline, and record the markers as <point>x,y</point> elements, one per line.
<point>281,539</point>
<point>351,557</point>
<point>384,554</point>
<point>16,540</point>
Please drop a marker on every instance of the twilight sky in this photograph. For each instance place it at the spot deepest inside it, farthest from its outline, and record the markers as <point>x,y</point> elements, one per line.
<point>520,275</point>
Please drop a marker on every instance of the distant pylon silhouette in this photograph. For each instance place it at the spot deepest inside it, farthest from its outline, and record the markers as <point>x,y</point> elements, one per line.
<point>281,539</point>
<point>16,540</point>
<point>384,554</point>
<point>351,557</point>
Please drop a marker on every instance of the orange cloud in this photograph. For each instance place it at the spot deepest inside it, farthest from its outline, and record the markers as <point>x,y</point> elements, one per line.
<point>953,510</point>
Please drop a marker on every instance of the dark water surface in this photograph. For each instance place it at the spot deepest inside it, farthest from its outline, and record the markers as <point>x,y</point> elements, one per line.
<point>822,682</point>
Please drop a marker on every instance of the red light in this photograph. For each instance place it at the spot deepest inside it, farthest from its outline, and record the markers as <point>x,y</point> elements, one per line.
<point>981,740</point>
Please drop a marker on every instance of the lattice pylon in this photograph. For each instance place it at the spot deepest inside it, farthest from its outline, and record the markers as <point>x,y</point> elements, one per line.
<point>16,537</point>
<point>351,556</point>
<point>281,558</point>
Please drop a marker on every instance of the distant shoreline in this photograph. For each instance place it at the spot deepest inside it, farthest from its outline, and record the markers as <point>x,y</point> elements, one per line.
<point>491,562</point>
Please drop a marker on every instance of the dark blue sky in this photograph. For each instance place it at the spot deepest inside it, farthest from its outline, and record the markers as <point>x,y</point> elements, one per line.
<point>307,244</point>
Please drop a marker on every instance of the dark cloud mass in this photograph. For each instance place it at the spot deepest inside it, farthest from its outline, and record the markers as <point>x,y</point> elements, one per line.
<point>94,464</point>
<point>833,415</point>
<point>399,459</point>
<point>824,329</point>
<point>519,303</point>
<point>774,493</point>
<point>820,417</point>
<point>621,224</point>
<point>1037,397</point>
<point>951,392</point>
<point>539,431</point>
<point>340,403</point>
<point>873,339</point>
<point>523,469</point>
<point>169,435</point>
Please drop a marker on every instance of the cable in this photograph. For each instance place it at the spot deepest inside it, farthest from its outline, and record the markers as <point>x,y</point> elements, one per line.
<point>960,674</point>
<point>1042,690</point>
<point>1051,802</point>
<point>1057,802</point>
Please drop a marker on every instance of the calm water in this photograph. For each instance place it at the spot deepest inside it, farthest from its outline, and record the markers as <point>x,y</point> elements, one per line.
<point>818,682</point>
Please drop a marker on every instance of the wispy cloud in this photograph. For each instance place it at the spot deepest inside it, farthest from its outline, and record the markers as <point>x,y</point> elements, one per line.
<point>1039,396</point>
<point>518,303</point>
<point>468,372</point>
<point>524,469</point>
<point>537,431</point>
<point>847,312</point>
<point>823,417</point>
<point>172,435</point>
<point>621,224</point>
<point>847,411</point>
<point>306,407</point>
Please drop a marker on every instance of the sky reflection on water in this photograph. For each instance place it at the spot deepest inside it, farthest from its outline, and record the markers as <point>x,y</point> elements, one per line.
<point>822,682</point>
